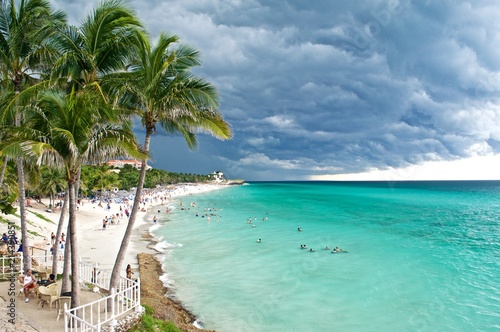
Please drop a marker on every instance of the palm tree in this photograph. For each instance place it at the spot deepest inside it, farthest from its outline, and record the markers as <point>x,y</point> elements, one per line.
<point>55,251</point>
<point>161,90</point>
<point>101,45</point>
<point>6,96</point>
<point>8,188</point>
<point>52,182</point>
<point>105,180</point>
<point>32,176</point>
<point>70,130</point>
<point>25,55</point>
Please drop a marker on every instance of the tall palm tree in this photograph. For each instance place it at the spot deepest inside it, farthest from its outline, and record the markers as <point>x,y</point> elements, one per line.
<point>99,46</point>
<point>25,53</point>
<point>70,130</point>
<point>161,90</point>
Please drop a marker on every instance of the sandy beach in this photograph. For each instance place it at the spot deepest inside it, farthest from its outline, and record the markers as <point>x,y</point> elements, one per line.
<point>98,245</point>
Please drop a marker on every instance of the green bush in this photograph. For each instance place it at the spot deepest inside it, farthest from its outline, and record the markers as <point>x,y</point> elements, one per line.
<point>150,324</point>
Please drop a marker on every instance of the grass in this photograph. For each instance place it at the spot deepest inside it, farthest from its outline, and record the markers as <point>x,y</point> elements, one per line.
<point>42,217</point>
<point>5,221</point>
<point>150,324</point>
<point>34,233</point>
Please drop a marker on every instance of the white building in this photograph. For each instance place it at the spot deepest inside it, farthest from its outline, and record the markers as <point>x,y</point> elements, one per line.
<point>218,176</point>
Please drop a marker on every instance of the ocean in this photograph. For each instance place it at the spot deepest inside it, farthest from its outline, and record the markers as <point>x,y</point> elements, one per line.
<point>421,256</point>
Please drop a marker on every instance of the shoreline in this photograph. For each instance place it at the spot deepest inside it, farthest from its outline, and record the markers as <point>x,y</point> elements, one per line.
<point>155,294</point>
<point>164,302</point>
<point>98,245</point>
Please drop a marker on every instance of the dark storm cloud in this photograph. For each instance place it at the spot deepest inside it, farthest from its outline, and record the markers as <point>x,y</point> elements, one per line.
<point>326,87</point>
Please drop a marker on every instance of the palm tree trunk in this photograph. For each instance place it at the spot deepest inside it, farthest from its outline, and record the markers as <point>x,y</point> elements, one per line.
<point>67,249</point>
<point>65,286</point>
<point>75,271</point>
<point>55,258</point>
<point>20,179</point>
<point>22,211</point>
<point>133,214</point>
<point>4,168</point>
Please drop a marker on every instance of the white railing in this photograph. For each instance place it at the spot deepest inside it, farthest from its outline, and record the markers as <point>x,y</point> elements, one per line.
<point>91,317</point>
<point>91,273</point>
<point>46,261</point>
<point>13,264</point>
<point>10,265</point>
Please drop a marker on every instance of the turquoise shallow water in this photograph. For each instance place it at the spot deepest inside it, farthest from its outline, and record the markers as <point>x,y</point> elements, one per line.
<point>422,256</point>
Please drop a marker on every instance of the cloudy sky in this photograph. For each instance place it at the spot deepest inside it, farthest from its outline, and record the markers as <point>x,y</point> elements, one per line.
<point>331,89</point>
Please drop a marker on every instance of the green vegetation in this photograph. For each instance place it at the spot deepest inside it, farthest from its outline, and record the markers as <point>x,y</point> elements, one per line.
<point>5,221</point>
<point>6,204</point>
<point>68,98</point>
<point>103,177</point>
<point>34,233</point>
<point>107,178</point>
<point>42,217</point>
<point>150,324</point>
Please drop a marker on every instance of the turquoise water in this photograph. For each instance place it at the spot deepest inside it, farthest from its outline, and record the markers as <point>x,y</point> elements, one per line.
<point>422,256</point>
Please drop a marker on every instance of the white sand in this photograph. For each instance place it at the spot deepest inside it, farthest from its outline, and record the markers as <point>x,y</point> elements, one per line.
<point>95,244</point>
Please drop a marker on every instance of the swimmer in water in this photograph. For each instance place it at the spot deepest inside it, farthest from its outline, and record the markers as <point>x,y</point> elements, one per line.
<point>299,229</point>
<point>259,241</point>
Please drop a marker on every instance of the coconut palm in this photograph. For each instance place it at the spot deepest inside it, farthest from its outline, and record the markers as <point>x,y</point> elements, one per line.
<point>104,180</point>
<point>101,45</point>
<point>52,182</point>
<point>70,130</point>
<point>161,90</point>
<point>25,53</point>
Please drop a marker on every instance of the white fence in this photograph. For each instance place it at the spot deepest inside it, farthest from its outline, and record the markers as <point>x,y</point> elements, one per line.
<point>13,265</point>
<point>10,265</point>
<point>91,317</point>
